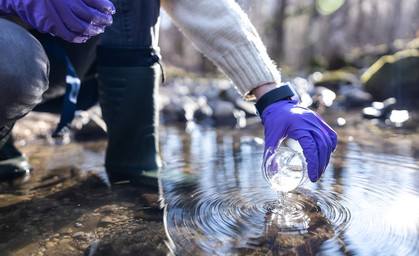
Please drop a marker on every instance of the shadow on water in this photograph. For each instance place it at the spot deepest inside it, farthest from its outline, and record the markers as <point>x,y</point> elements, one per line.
<point>215,200</point>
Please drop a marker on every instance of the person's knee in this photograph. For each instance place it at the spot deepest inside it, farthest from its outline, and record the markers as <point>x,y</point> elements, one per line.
<point>24,70</point>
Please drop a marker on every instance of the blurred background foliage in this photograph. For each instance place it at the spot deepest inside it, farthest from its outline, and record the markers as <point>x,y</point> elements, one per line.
<point>304,36</point>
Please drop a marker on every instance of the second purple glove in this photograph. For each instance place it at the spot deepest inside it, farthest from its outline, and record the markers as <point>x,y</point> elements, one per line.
<point>73,20</point>
<point>285,119</point>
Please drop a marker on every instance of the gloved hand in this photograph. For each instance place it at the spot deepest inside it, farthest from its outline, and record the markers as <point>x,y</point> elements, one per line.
<point>285,119</point>
<point>73,20</point>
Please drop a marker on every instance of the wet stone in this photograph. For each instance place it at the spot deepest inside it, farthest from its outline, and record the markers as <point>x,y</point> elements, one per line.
<point>105,221</point>
<point>66,230</point>
<point>50,245</point>
<point>80,235</point>
<point>152,200</point>
<point>126,204</point>
<point>78,225</point>
<point>107,209</point>
<point>83,246</point>
<point>66,241</point>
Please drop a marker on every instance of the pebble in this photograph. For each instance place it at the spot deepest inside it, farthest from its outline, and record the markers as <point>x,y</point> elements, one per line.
<point>79,235</point>
<point>66,230</point>
<point>83,246</point>
<point>108,208</point>
<point>66,241</point>
<point>126,204</point>
<point>70,248</point>
<point>106,220</point>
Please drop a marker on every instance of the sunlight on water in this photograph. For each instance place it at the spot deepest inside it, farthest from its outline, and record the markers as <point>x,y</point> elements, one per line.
<point>404,210</point>
<point>218,203</point>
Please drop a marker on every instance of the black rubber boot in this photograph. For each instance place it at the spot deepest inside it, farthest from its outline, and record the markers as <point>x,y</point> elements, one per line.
<point>13,164</point>
<point>127,95</point>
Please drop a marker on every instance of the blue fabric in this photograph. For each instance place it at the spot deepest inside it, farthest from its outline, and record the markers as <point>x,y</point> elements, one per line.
<point>72,86</point>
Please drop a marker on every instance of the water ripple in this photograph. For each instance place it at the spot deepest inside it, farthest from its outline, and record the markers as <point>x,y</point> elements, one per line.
<point>335,210</point>
<point>217,223</point>
<point>218,203</point>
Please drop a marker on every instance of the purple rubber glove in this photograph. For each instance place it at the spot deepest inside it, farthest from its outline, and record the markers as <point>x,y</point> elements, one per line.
<point>285,119</point>
<point>73,20</point>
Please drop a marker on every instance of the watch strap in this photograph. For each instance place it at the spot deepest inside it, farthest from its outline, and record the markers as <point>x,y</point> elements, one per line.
<point>281,93</point>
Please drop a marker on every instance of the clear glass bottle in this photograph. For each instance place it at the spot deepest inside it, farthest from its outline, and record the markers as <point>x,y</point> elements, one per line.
<point>284,166</point>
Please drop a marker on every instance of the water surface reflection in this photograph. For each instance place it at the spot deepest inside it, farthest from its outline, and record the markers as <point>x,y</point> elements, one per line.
<point>217,201</point>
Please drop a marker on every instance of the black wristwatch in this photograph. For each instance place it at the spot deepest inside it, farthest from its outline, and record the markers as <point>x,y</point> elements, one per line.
<point>281,93</point>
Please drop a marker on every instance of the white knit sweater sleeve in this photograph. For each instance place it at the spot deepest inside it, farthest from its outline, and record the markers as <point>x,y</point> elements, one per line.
<point>224,33</point>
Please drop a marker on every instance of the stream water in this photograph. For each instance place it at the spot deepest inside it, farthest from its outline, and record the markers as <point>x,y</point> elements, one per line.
<point>217,202</point>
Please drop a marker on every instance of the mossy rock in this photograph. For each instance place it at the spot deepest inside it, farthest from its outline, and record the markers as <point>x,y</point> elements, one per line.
<point>414,44</point>
<point>334,79</point>
<point>394,76</point>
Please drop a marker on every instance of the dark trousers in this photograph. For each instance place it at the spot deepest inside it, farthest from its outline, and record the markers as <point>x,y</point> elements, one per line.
<point>29,75</point>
